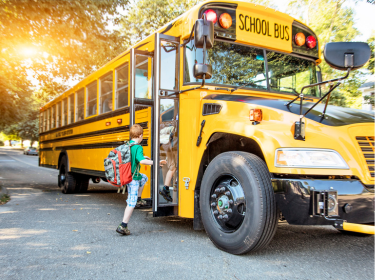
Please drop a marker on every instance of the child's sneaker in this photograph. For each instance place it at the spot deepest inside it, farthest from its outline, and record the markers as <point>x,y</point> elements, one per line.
<point>141,203</point>
<point>123,230</point>
<point>166,194</point>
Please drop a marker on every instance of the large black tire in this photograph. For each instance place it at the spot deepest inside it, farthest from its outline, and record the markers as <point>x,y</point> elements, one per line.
<point>248,191</point>
<point>82,184</point>
<point>66,180</point>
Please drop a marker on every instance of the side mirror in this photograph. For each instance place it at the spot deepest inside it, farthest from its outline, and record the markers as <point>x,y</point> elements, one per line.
<point>344,55</point>
<point>201,69</point>
<point>204,29</point>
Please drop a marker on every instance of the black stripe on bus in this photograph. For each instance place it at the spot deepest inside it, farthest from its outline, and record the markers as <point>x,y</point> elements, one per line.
<point>91,172</point>
<point>93,146</point>
<point>144,125</point>
<point>90,120</point>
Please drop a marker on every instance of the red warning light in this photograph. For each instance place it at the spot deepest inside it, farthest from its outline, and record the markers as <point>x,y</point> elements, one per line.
<point>211,15</point>
<point>310,42</point>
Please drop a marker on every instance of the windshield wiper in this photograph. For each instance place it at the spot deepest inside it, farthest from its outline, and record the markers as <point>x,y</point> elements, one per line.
<point>234,89</point>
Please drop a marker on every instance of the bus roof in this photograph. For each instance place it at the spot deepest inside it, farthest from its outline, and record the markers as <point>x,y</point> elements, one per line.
<point>255,25</point>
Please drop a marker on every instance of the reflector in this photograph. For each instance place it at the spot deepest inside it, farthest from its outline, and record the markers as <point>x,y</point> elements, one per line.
<point>299,39</point>
<point>225,20</point>
<point>256,115</point>
<point>211,15</point>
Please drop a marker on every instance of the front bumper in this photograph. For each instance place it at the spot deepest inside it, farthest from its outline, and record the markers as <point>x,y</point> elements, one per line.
<point>294,201</point>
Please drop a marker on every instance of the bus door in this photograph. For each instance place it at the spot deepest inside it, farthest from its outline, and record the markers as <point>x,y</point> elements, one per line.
<point>142,104</point>
<point>166,140</point>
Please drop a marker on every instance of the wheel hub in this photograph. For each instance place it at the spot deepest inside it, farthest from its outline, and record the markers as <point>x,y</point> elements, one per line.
<point>228,204</point>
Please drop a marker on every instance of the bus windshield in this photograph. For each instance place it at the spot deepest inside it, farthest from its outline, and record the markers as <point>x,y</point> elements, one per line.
<point>238,65</point>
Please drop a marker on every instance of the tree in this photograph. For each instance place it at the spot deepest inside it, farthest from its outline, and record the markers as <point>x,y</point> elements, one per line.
<point>146,16</point>
<point>336,24</point>
<point>51,40</point>
<point>371,41</point>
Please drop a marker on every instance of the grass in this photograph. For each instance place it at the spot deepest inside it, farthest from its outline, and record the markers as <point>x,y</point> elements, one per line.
<point>4,199</point>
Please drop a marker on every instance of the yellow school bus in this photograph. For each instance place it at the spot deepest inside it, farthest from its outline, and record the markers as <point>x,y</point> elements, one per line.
<point>230,92</point>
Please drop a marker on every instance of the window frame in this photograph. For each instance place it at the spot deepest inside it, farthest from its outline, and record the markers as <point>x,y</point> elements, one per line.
<point>41,122</point>
<point>70,98</point>
<point>110,73</point>
<point>64,111</point>
<point>176,69</point>
<point>53,116</point>
<point>118,89</point>
<point>58,114</point>
<point>87,96</point>
<point>76,107</point>
<point>45,120</point>
<point>48,119</point>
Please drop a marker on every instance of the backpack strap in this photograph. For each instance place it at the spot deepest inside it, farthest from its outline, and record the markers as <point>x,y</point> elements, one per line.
<point>136,172</point>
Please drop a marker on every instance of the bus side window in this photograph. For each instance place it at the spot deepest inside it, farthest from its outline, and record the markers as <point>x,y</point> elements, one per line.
<point>71,109</point>
<point>80,103</point>
<point>45,120</point>
<point>168,65</point>
<point>58,114</point>
<point>41,123</point>
<point>49,119</point>
<point>65,112</point>
<point>143,79</point>
<point>106,86</point>
<point>91,95</point>
<point>122,74</point>
<point>53,116</point>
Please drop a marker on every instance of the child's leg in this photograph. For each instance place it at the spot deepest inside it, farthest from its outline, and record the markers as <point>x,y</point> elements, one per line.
<point>133,187</point>
<point>142,184</point>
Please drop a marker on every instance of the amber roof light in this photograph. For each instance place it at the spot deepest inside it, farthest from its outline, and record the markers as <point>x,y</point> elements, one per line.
<point>225,20</point>
<point>299,39</point>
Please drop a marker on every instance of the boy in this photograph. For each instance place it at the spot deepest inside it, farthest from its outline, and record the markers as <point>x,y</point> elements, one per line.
<point>135,187</point>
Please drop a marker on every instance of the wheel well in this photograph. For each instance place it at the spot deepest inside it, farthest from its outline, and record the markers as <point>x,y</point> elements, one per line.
<point>217,144</point>
<point>225,142</point>
<point>63,153</point>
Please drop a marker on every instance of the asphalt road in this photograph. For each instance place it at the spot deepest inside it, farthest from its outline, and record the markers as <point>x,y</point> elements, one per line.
<point>47,235</point>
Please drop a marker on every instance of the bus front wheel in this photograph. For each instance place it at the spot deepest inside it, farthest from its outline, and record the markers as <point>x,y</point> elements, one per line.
<point>66,180</point>
<point>237,203</point>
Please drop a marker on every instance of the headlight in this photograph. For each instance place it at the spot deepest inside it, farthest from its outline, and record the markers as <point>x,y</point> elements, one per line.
<point>309,158</point>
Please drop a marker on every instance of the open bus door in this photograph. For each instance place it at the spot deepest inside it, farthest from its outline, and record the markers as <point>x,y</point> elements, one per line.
<point>142,104</point>
<point>165,140</point>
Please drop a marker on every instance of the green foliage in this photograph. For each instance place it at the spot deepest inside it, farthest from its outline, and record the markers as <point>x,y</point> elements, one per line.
<point>371,41</point>
<point>335,24</point>
<point>51,40</point>
<point>146,16</point>
<point>4,198</point>
<point>59,38</point>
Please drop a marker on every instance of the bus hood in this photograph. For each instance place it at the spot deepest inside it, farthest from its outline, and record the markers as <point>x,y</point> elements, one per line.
<point>334,116</point>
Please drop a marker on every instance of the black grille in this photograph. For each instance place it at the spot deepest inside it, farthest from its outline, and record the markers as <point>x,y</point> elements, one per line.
<point>211,109</point>
<point>366,143</point>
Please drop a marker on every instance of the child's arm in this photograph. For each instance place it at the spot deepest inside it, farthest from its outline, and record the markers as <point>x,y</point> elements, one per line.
<point>146,162</point>
<point>151,162</point>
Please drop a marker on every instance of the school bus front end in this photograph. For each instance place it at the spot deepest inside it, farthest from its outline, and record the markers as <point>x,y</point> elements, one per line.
<point>258,142</point>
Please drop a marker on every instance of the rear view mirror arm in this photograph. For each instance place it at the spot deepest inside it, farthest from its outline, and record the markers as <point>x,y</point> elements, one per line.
<point>319,84</point>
